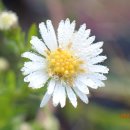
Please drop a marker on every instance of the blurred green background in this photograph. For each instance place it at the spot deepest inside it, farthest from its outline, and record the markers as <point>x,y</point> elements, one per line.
<point>109,107</point>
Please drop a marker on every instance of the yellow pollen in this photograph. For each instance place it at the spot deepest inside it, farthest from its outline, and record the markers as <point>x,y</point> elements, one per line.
<point>63,64</point>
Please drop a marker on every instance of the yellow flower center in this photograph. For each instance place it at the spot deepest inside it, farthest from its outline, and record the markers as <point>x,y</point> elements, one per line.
<point>63,64</point>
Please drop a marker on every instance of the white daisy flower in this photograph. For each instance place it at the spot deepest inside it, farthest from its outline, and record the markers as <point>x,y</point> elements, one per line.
<point>68,63</point>
<point>8,19</point>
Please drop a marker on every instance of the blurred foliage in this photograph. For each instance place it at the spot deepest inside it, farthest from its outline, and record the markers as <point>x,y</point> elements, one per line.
<point>13,91</point>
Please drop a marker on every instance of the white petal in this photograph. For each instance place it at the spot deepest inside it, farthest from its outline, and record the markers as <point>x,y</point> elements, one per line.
<point>53,44</point>
<point>84,41</point>
<point>56,94</point>
<point>62,96</point>
<point>87,33</point>
<point>61,32</point>
<point>91,84</point>
<point>79,39</point>
<point>81,86</point>
<point>93,48</point>
<point>81,31</point>
<point>30,67</point>
<point>88,82</point>
<point>45,99</point>
<point>37,79</point>
<point>33,57</point>
<point>100,76</point>
<point>97,79</point>
<point>43,31</point>
<point>65,32</point>
<point>79,35</point>
<point>71,96</point>
<point>38,45</point>
<point>27,71</point>
<point>90,40</point>
<point>51,86</point>
<point>69,28</point>
<point>38,83</point>
<point>81,95</point>
<point>97,76</point>
<point>97,59</point>
<point>94,53</point>
<point>48,35</point>
<point>99,83</point>
<point>59,95</point>
<point>88,53</point>
<point>98,68</point>
<point>35,65</point>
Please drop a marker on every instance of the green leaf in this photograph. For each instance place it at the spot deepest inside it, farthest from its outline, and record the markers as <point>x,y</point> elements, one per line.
<point>1,6</point>
<point>11,80</point>
<point>32,32</point>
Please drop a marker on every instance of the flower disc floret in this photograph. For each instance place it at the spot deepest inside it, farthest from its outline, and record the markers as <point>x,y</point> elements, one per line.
<point>63,64</point>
